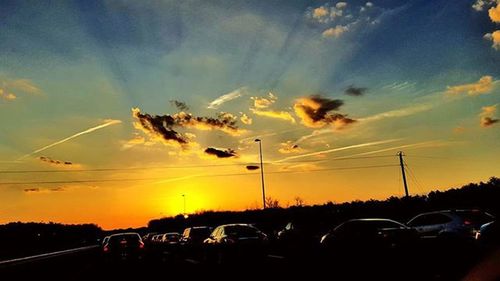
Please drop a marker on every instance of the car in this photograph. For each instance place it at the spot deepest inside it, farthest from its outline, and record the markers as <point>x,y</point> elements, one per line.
<point>235,242</point>
<point>450,224</point>
<point>299,237</point>
<point>195,235</point>
<point>124,246</point>
<point>170,238</point>
<point>488,235</point>
<point>370,244</point>
<point>368,234</point>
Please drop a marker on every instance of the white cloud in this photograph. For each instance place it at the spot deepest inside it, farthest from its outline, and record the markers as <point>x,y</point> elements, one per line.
<point>227,97</point>
<point>335,31</point>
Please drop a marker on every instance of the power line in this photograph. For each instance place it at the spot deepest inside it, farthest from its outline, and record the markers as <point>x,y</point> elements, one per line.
<point>200,176</point>
<point>178,167</point>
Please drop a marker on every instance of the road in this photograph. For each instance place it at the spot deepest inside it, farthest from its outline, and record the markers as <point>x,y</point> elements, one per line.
<point>90,265</point>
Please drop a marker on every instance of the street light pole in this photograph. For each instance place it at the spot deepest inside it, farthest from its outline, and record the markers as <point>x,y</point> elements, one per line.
<point>184,199</point>
<point>262,173</point>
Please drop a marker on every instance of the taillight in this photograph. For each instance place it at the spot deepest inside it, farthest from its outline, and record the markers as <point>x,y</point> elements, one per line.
<point>123,242</point>
<point>141,245</point>
<point>105,249</point>
<point>466,222</point>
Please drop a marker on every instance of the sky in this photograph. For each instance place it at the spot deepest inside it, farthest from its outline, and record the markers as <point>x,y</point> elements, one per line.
<point>116,112</point>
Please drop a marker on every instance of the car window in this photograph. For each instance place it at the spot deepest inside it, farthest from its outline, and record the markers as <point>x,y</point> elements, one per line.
<point>475,217</point>
<point>430,219</point>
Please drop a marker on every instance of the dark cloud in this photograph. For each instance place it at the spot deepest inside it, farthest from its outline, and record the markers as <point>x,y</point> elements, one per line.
<point>488,121</point>
<point>163,126</point>
<point>252,167</point>
<point>355,91</point>
<point>160,126</point>
<point>314,112</point>
<point>182,106</point>
<point>54,162</point>
<point>221,153</point>
<point>48,190</point>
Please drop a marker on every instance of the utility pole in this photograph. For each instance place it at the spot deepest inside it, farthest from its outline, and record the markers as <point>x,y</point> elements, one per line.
<point>262,173</point>
<point>401,162</point>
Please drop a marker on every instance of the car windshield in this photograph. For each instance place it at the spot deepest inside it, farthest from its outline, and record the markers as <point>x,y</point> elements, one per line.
<point>241,231</point>
<point>129,238</point>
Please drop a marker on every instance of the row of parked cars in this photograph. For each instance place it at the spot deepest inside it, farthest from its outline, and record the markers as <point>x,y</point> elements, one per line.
<point>226,242</point>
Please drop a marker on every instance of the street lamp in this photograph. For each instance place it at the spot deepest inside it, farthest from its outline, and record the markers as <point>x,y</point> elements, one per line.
<point>262,173</point>
<point>184,199</point>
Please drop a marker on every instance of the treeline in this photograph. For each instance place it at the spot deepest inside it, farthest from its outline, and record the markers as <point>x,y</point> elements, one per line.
<point>484,196</point>
<point>19,239</point>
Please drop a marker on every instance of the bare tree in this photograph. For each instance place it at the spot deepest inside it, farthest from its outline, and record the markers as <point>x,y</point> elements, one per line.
<point>272,203</point>
<point>299,202</point>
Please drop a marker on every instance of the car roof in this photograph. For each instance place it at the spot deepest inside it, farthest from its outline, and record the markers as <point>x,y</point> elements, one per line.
<point>124,234</point>
<point>237,224</point>
<point>450,212</point>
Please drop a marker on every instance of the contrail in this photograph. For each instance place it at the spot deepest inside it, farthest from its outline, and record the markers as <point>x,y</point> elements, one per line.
<point>415,145</point>
<point>337,149</point>
<point>227,97</point>
<point>108,123</point>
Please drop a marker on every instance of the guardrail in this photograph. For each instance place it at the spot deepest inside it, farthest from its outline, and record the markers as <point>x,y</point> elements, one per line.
<point>17,261</point>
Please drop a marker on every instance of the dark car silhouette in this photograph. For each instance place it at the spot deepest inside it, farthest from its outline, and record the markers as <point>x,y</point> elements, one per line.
<point>367,236</point>
<point>195,235</point>
<point>451,224</point>
<point>124,246</point>
<point>231,242</point>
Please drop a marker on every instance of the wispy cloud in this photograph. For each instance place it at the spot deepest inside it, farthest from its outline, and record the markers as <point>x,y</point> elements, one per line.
<point>283,115</point>
<point>483,86</point>
<point>264,102</point>
<point>398,112</point>
<point>227,97</point>
<point>10,88</point>
<point>289,147</point>
<point>337,149</point>
<point>107,123</point>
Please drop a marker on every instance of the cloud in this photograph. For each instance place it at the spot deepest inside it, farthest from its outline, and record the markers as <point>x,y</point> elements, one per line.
<point>36,190</point>
<point>219,153</point>
<point>161,127</point>
<point>321,14</point>
<point>252,167</point>
<point>483,86</point>
<point>335,31</point>
<point>289,147</point>
<point>323,152</point>
<point>341,5</point>
<point>10,88</point>
<point>264,102</point>
<point>179,105</point>
<point>494,13</point>
<point>51,161</point>
<point>398,112</point>
<point>6,95</point>
<point>227,97</point>
<point>107,122</point>
<point>495,38</point>
<point>487,116</point>
<point>355,91</point>
<point>314,112</point>
<point>283,115</point>
<point>245,119</point>
<point>479,5</point>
